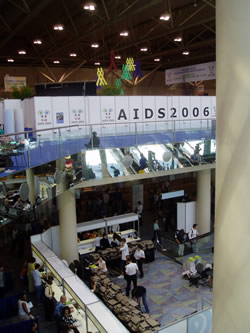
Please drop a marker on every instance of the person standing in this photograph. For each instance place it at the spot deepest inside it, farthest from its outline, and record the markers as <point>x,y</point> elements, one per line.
<point>97,242</point>
<point>131,274</point>
<point>59,307</point>
<point>180,238</point>
<point>49,300</point>
<point>37,283</point>
<point>138,210</point>
<point>104,242</point>
<point>2,281</point>
<point>68,320</point>
<point>23,308</point>
<point>143,162</point>
<point>192,235</point>
<point>31,267</point>
<point>102,265</point>
<point>139,257</point>
<point>156,229</point>
<point>125,253</point>
<point>138,293</point>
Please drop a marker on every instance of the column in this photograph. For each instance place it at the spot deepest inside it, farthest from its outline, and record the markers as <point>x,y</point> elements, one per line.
<point>203,204</point>
<point>60,162</point>
<point>31,182</point>
<point>231,291</point>
<point>67,222</point>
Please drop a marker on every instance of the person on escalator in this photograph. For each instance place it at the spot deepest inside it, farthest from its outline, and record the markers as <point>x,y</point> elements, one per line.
<point>116,171</point>
<point>143,162</point>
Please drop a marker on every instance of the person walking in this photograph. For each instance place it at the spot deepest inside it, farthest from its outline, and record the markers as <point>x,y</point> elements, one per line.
<point>125,253</point>
<point>36,275</point>
<point>131,274</point>
<point>192,235</point>
<point>138,293</point>
<point>156,229</point>
<point>139,257</point>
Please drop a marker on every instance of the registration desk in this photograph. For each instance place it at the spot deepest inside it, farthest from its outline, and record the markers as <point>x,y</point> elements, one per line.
<point>88,246</point>
<point>87,306</point>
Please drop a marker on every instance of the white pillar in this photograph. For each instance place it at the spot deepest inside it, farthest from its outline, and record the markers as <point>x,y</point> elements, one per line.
<point>31,182</point>
<point>67,222</point>
<point>203,205</point>
<point>231,302</point>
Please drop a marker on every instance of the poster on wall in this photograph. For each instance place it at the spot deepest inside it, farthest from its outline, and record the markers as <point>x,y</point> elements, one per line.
<point>13,81</point>
<point>59,118</point>
<point>60,108</point>
<point>200,72</point>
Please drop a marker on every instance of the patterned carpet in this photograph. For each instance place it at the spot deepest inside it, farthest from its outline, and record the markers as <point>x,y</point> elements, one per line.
<point>169,296</point>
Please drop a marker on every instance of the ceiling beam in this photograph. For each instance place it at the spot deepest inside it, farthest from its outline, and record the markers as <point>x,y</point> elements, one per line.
<point>6,26</point>
<point>70,18</point>
<point>192,15</point>
<point>26,6</point>
<point>41,5</point>
<point>209,4</point>
<point>106,10</point>
<point>22,9</point>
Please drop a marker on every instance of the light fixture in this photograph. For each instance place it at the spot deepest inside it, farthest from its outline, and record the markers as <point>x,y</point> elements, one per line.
<point>165,17</point>
<point>10,60</point>
<point>178,39</point>
<point>37,41</point>
<point>56,62</point>
<point>97,63</point>
<point>117,57</point>
<point>185,52</point>
<point>73,55</point>
<point>58,27</point>
<point>90,5</point>
<point>157,59</point>
<point>95,45</point>
<point>21,52</point>
<point>124,33</point>
<point>144,49</point>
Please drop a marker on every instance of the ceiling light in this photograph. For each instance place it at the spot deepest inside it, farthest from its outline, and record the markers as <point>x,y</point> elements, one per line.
<point>10,60</point>
<point>37,41</point>
<point>97,63</point>
<point>95,45</point>
<point>178,39</point>
<point>21,52</point>
<point>117,57</point>
<point>89,5</point>
<point>165,17</point>
<point>144,49</point>
<point>185,52</point>
<point>73,55</point>
<point>157,59</point>
<point>124,33</point>
<point>59,27</point>
<point>56,62</point>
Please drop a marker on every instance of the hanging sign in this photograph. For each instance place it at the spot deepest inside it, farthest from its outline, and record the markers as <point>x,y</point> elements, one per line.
<point>13,81</point>
<point>200,72</point>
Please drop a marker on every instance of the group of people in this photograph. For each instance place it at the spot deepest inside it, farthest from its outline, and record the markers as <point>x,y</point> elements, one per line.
<point>181,238</point>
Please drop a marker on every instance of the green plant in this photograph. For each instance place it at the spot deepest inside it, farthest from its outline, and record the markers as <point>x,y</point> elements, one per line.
<point>110,91</point>
<point>22,92</point>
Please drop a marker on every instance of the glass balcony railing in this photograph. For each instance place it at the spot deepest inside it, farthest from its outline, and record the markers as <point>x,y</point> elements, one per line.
<point>19,151</point>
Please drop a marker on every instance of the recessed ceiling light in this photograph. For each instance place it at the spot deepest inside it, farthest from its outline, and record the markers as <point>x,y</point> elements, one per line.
<point>37,41</point>
<point>178,39</point>
<point>165,17</point>
<point>56,62</point>
<point>95,45</point>
<point>21,52</point>
<point>10,60</point>
<point>157,59</point>
<point>59,27</point>
<point>117,57</point>
<point>144,49</point>
<point>185,52</point>
<point>124,33</point>
<point>97,63</point>
<point>73,55</point>
<point>90,5</point>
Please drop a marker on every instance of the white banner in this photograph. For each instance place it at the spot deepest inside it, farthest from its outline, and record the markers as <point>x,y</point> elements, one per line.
<point>13,81</point>
<point>200,72</point>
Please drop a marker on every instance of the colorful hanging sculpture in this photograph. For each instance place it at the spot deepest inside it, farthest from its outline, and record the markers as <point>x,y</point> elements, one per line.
<point>101,80</point>
<point>112,62</point>
<point>137,72</point>
<point>130,63</point>
<point>118,84</point>
<point>125,72</point>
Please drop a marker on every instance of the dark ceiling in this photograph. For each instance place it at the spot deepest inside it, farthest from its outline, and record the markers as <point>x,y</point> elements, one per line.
<point>22,21</point>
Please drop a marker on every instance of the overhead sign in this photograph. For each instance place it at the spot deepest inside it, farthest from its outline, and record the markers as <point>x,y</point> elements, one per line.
<point>13,81</point>
<point>171,195</point>
<point>200,72</point>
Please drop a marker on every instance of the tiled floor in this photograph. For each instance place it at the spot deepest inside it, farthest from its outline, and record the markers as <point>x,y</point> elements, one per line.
<point>168,295</point>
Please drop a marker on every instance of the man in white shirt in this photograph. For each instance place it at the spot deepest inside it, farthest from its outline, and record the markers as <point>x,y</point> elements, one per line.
<point>37,283</point>
<point>139,257</point>
<point>131,271</point>
<point>125,253</point>
<point>192,235</point>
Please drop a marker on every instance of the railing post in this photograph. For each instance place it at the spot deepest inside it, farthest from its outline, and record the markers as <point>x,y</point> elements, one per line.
<point>60,142</point>
<point>91,136</point>
<point>136,141</point>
